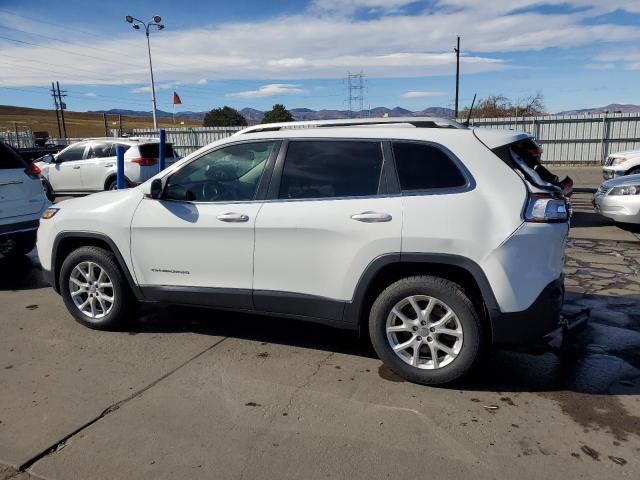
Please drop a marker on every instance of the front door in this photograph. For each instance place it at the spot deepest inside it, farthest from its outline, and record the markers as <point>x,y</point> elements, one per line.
<point>65,173</point>
<point>195,245</point>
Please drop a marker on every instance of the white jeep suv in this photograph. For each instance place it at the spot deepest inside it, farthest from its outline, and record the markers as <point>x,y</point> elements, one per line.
<point>620,164</point>
<point>90,165</point>
<point>22,201</point>
<point>437,239</point>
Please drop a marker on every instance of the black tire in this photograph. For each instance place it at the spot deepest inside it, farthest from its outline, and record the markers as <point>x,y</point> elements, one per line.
<point>113,184</point>
<point>48,190</point>
<point>123,301</point>
<point>445,291</point>
<point>20,244</point>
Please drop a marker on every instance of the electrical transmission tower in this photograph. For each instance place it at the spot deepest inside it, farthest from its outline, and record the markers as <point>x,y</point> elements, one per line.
<point>355,84</point>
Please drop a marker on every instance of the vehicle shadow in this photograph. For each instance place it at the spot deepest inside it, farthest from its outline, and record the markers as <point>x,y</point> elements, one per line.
<point>21,272</point>
<point>602,359</point>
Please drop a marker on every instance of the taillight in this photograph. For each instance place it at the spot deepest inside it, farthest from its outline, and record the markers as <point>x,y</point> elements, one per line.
<point>545,209</point>
<point>33,170</point>
<point>145,162</point>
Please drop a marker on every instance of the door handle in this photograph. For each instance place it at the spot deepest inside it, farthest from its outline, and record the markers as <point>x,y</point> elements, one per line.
<point>76,168</point>
<point>233,217</point>
<point>372,217</point>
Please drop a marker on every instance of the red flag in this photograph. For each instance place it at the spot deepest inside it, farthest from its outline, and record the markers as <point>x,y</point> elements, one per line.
<point>176,99</point>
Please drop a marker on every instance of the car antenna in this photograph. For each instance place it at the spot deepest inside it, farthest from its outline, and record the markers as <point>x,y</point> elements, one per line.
<point>473,102</point>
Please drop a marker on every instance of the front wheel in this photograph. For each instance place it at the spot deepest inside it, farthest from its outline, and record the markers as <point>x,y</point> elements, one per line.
<point>94,289</point>
<point>426,330</point>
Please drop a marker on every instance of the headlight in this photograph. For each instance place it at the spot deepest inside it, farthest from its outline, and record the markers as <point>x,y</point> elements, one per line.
<point>618,161</point>
<point>49,213</point>
<point>626,190</point>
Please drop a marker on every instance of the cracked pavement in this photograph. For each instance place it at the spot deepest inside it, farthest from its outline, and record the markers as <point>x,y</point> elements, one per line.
<point>190,393</point>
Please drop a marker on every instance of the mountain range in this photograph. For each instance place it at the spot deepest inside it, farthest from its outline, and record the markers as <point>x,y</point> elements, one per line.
<point>254,116</point>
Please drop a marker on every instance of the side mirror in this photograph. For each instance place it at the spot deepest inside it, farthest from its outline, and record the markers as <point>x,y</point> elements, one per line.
<point>156,189</point>
<point>48,158</point>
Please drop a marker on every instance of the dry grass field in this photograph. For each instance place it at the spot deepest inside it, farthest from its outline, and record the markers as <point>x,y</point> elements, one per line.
<point>79,124</point>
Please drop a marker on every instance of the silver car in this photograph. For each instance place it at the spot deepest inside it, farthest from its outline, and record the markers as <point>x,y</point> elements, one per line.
<point>619,199</point>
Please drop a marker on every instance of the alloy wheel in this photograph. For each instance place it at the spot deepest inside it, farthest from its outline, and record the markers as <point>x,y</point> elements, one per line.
<point>424,332</point>
<point>91,290</point>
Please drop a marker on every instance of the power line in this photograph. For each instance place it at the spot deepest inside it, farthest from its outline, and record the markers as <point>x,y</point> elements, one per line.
<point>356,92</point>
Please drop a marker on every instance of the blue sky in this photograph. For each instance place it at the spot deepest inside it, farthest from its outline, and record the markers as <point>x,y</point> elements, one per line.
<point>254,53</point>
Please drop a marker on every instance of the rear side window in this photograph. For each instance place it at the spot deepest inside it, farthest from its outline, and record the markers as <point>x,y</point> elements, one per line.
<point>114,146</point>
<point>322,169</point>
<point>152,150</point>
<point>9,158</point>
<point>99,150</point>
<point>425,167</point>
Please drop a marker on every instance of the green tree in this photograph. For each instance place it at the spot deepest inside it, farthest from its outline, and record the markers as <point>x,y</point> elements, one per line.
<point>224,117</point>
<point>277,114</point>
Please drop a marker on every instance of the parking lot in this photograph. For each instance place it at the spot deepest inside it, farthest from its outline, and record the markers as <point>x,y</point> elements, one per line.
<point>194,393</point>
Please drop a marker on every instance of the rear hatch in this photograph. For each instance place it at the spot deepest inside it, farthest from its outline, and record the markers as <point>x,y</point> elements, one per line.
<point>20,193</point>
<point>523,154</point>
<point>152,151</point>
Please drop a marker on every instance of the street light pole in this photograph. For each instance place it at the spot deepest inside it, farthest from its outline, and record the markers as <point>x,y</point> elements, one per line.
<point>155,22</point>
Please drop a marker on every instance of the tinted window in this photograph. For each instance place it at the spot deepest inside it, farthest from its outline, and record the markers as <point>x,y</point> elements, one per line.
<point>320,169</point>
<point>75,152</point>
<point>152,150</point>
<point>225,175</point>
<point>9,158</point>
<point>423,167</point>
<point>114,146</point>
<point>99,150</point>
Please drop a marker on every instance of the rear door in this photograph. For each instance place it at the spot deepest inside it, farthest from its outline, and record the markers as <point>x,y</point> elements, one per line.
<point>326,220</point>
<point>65,173</point>
<point>19,193</point>
<point>100,161</point>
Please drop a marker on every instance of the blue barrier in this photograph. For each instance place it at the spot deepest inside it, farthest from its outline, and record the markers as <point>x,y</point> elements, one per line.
<point>120,183</point>
<point>163,138</point>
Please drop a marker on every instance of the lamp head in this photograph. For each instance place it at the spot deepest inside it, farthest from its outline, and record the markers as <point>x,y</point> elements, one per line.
<point>157,18</point>
<point>160,27</point>
<point>136,26</point>
<point>129,18</point>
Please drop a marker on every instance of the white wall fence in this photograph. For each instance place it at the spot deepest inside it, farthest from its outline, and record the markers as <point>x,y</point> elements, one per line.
<point>575,139</point>
<point>187,140</point>
<point>567,139</point>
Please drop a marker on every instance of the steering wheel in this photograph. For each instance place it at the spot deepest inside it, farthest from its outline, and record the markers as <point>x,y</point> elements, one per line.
<point>212,191</point>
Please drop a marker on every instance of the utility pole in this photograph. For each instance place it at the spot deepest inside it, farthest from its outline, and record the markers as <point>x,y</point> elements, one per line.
<point>106,131</point>
<point>119,125</point>
<point>457,50</point>
<point>55,101</point>
<point>62,108</point>
<point>356,88</point>
<point>15,127</point>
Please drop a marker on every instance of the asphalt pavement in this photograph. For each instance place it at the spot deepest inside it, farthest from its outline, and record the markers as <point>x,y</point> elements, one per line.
<point>196,393</point>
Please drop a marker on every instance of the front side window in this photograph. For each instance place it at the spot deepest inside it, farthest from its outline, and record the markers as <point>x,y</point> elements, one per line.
<point>75,152</point>
<point>425,167</point>
<point>324,169</point>
<point>229,174</point>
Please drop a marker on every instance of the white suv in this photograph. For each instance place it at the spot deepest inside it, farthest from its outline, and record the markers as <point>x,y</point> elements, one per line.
<point>621,163</point>
<point>90,165</point>
<point>22,201</point>
<point>437,239</point>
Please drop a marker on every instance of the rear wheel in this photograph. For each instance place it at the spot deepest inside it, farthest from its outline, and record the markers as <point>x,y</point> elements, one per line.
<point>94,289</point>
<point>113,184</point>
<point>426,330</point>
<point>48,190</point>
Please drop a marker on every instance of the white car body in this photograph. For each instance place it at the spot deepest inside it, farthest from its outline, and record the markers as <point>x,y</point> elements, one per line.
<point>22,198</point>
<point>621,163</point>
<point>308,258</point>
<point>90,166</point>
<point>620,204</point>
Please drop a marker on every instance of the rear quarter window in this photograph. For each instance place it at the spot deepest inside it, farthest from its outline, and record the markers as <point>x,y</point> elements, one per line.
<point>425,167</point>
<point>152,150</point>
<point>10,159</point>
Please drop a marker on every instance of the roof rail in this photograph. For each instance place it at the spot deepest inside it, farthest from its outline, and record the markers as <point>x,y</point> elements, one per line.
<point>418,122</point>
